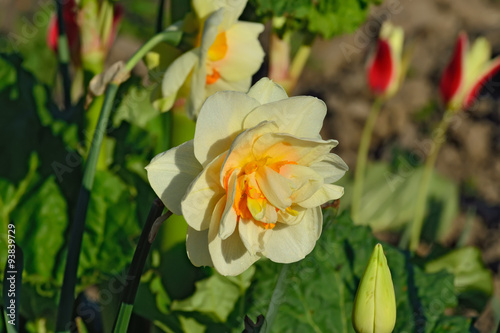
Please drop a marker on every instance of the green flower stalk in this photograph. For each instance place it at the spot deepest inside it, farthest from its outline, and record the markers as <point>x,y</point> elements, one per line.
<point>385,72</point>
<point>469,70</point>
<point>374,308</point>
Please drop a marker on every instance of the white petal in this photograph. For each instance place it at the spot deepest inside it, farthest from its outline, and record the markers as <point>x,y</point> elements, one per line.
<point>331,168</point>
<point>252,234</point>
<point>229,256</point>
<point>266,91</point>
<point>202,195</point>
<point>229,216</point>
<point>305,181</point>
<point>221,84</point>
<point>198,80</point>
<point>275,187</point>
<point>244,54</point>
<point>283,147</point>
<point>219,122</point>
<point>291,243</point>
<point>177,73</point>
<point>197,247</point>
<point>301,116</point>
<point>232,10</point>
<point>326,193</point>
<point>161,103</point>
<point>170,174</point>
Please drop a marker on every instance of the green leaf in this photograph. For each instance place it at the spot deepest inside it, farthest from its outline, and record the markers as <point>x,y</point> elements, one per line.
<point>388,201</point>
<point>326,18</point>
<point>473,282</point>
<point>191,325</point>
<point>111,227</point>
<point>162,299</point>
<point>41,241</point>
<point>321,288</point>
<point>8,74</point>
<point>41,219</point>
<point>216,296</point>
<point>135,106</point>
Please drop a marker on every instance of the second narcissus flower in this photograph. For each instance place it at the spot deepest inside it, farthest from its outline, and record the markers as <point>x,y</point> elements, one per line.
<point>251,182</point>
<point>467,72</point>
<point>227,53</point>
<point>374,308</point>
<point>386,67</point>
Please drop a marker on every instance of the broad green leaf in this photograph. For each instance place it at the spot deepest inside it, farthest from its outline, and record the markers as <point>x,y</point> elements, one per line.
<point>321,288</point>
<point>41,220</point>
<point>388,201</point>
<point>111,227</point>
<point>215,296</point>
<point>153,302</point>
<point>135,106</point>
<point>191,325</point>
<point>473,282</point>
<point>162,299</point>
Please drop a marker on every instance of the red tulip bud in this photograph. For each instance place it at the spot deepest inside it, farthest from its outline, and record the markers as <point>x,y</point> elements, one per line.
<point>385,70</point>
<point>467,72</point>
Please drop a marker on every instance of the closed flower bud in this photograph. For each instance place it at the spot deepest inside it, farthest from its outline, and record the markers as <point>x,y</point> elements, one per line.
<point>374,308</point>
<point>467,72</point>
<point>385,67</point>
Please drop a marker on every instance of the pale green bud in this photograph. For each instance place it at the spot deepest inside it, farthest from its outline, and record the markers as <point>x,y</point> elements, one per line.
<point>374,308</point>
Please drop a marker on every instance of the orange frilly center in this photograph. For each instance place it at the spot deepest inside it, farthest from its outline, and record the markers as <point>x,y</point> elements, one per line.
<point>249,200</point>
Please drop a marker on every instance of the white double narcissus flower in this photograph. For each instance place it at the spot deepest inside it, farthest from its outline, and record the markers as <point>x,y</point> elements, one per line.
<point>251,182</point>
<point>387,65</point>
<point>374,308</point>
<point>467,72</point>
<point>226,56</point>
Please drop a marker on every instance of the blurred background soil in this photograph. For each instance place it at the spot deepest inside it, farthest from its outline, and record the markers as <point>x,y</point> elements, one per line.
<point>336,74</point>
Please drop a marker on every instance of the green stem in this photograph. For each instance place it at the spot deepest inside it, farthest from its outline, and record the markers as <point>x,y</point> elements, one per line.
<point>298,63</point>
<point>67,297</point>
<point>167,118</point>
<point>362,158</point>
<point>438,138</point>
<point>92,118</point>
<point>63,56</point>
<point>168,36</point>
<point>136,267</point>
<point>276,300</point>
<point>159,17</point>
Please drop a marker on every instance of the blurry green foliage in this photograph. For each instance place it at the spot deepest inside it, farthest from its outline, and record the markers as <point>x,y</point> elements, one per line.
<point>388,201</point>
<point>325,18</point>
<point>40,182</point>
